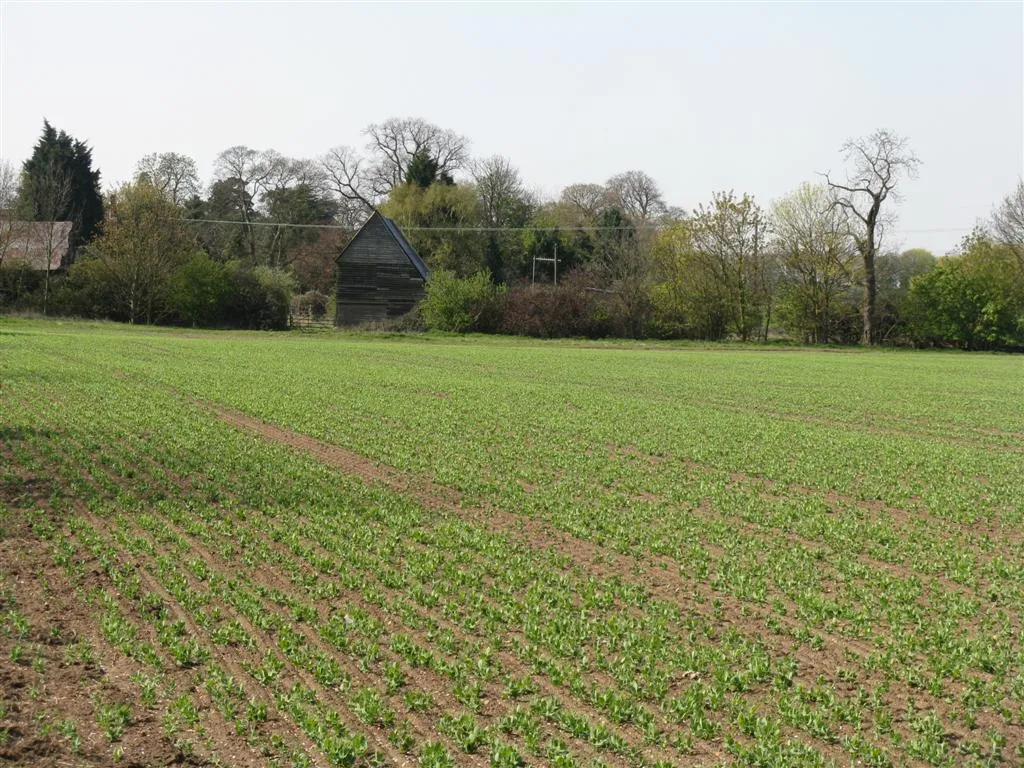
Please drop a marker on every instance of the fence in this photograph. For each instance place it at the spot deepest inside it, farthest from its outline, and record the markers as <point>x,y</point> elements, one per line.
<point>306,322</point>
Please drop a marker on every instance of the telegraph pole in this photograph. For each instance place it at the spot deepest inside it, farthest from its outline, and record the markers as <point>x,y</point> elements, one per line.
<point>554,260</point>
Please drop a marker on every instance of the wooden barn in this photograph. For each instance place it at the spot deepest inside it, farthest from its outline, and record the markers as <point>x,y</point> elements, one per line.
<point>380,275</point>
<point>38,245</point>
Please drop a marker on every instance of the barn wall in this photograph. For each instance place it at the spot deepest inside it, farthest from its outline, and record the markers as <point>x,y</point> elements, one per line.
<point>375,278</point>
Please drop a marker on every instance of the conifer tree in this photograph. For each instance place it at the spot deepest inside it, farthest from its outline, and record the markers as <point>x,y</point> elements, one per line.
<point>59,184</point>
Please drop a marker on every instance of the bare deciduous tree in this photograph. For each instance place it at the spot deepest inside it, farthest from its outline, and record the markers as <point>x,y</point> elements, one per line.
<point>393,143</point>
<point>8,197</point>
<point>8,187</point>
<point>1008,222</point>
<point>637,194</point>
<point>589,199</point>
<point>175,175</point>
<point>504,200</point>
<point>251,169</point>
<point>287,172</point>
<point>308,173</point>
<point>53,195</point>
<point>345,174</point>
<point>878,163</point>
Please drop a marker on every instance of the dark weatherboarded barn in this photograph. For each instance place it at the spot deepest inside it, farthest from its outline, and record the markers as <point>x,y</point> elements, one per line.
<point>379,274</point>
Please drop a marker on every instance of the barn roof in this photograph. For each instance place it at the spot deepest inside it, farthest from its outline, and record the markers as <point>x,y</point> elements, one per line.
<point>29,243</point>
<point>406,247</point>
<point>399,238</point>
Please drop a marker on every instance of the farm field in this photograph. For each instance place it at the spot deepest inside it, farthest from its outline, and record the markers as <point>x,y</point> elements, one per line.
<point>337,550</point>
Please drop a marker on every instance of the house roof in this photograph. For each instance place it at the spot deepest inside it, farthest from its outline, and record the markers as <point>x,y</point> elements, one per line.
<point>399,238</point>
<point>29,243</point>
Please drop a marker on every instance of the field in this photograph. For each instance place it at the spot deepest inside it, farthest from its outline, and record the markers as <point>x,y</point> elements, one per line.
<point>246,549</point>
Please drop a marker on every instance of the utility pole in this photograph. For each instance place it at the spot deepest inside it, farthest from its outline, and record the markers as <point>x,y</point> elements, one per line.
<point>554,260</point>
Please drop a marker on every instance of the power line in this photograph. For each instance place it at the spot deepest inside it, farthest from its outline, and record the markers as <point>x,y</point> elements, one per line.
<point>430,229</point>
<point>484,229</point>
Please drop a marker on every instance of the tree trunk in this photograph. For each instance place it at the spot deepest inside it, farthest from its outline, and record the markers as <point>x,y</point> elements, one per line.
<point>868,308</point>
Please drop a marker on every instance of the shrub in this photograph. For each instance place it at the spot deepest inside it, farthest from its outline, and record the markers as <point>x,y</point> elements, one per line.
<point>461,304</point>
<point>199,290</point>
<point>260,297</point>
<point>571,308</point>
<point>411,322</point>
<point>311,304</point>
<point>86,291</point>
<point>974,300</point>
<point>18,284</point>
<point>838,323</point>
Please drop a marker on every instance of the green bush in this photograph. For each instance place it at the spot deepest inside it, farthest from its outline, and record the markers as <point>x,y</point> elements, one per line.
<point>86,291</point>
<point>18,286</point>
<point>805,318</point>
<point>974,300</point>
<point>259,298</point>
<point>199,290</point>
<point>461,304</point>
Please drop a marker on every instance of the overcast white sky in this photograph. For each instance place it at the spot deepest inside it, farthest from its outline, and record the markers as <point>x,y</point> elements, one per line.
<point>704,97</point>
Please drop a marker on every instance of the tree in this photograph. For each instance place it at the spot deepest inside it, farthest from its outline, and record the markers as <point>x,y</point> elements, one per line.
<point>175,176</point>
<point>554,229</point>
<point>895,272</point>
<point>301,205</point>
<point>252,184</point>
<point>59,184</point>
<point>729,238</point>
<point>394,142</point>
<point>345,174</point>
<point>422,169</point>
<point>288,172</point>
<point>50,199</point>
<point>1008,222</point>
<point>637,194</point>
<point>247,171</point>
<point>8,200</point>
<point>144,242</point>
<point>9,185</point>
<point>504,202</point>
<point>879,162</point>
<point>817,258</point>
<point>619,266</point>
<point>438,222</point>
<point>588,199</point>
<point>974,300</point>
<point>229,200</point>
<point>688,298</point>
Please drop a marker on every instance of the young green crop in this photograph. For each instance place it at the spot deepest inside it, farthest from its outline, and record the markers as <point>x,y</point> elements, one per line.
<point>648,557</point>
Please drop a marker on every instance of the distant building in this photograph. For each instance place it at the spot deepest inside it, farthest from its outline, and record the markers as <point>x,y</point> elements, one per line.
<point>32,243</point>
<point>379,274</point>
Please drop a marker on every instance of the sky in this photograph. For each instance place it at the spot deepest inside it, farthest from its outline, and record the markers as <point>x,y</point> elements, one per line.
<point>704,97</point>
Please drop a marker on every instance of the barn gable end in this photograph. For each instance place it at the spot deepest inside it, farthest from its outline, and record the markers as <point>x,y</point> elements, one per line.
<point>380,275</point>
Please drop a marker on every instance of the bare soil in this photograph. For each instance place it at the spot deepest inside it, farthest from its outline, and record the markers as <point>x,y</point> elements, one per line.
<point>55,682</point>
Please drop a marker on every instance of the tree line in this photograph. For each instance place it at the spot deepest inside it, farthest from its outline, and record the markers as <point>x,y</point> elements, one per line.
<point>260,238</point>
